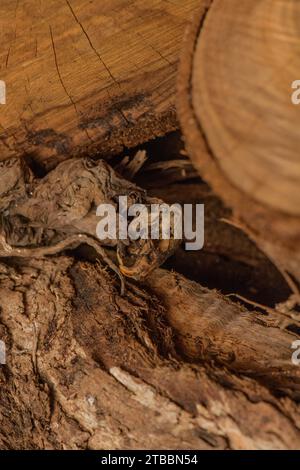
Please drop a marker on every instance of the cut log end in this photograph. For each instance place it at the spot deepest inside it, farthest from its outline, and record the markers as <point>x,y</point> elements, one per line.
<point>235,86</point>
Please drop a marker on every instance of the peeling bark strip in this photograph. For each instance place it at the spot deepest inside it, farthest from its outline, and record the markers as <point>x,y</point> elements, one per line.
<point>209,326</point>
<point>94,374</point>
<point>97,76</point>
<point>244,140</point>
<point>45,216</point>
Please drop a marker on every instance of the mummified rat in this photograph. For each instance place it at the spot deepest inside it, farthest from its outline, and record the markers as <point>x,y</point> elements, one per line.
<point>41,217</point>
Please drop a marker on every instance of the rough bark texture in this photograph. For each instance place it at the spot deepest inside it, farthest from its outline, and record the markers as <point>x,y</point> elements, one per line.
<point>169,364</point>
<point>90,369</point>
<point>44,216</point>
<point>87,77</point>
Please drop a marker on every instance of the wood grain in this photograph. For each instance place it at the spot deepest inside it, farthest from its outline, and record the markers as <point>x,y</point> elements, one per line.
<point>238,63</point>
<point>246,59</point>
<point>87,76</point>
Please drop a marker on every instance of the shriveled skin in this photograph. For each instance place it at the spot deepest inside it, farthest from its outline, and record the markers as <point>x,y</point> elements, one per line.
<point>41,217</point>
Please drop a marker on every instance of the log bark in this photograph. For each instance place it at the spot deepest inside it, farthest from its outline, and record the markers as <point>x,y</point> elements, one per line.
<point>88,77</point>
<point>171,365</point>
<point>238,118</point>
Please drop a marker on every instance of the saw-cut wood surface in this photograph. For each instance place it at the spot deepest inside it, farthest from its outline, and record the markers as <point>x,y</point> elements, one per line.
<point>88,76</point>
<point>246,59</point>
<point>239,61</point>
